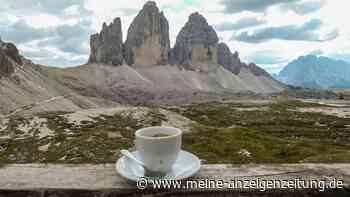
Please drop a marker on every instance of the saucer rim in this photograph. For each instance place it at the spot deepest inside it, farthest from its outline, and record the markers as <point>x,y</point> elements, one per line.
<point>191,173</point>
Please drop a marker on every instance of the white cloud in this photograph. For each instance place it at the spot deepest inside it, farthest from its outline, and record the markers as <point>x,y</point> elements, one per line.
<point>48,14</point>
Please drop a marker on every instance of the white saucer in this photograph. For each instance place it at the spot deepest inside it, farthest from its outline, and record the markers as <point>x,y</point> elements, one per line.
<point>185,166</point>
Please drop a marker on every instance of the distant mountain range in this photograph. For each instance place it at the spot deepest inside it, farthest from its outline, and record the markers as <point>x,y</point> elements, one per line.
<point>316,72</point>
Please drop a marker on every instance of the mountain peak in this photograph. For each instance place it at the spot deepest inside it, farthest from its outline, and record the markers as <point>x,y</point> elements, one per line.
<point>148,41</point>
<point>9,56</point>
<point>311,71</point>
<point>107,46</point>
<point>196,42</point>
<point>150,5</point>
<point>307,57</point>
<point>228,60</point>
<point>197,18</point>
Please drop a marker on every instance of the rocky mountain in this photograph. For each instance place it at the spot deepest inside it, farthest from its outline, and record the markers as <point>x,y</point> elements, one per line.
<point>148,38</point>
<point>196,43</point>
<point>228,60</point>
<point>142,70</point>
<point>197,63</point>
<point>316,72</point>
<point>25,87</point>
<point>107,46</point>
<point>231,62</point>
<point>9,56</point>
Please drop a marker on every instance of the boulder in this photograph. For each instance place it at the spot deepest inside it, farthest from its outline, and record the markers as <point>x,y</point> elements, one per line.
<point>196,42</point>
<point>148,40</point>
<point>107,46</point>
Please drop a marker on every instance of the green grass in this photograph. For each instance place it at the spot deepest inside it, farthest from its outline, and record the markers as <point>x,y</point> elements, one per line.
<point>86,143</point>
<point>279,120</point>
<point>271,133</point>
<point>222,145</point>
<point>276,135</point>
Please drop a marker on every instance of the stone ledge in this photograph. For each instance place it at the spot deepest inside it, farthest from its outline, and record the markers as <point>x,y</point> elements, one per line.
<point>88,193</point>
<point>102,180</point>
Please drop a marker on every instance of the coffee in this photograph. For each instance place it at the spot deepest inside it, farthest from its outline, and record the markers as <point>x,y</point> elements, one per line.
<point>160,135</point>
<point>158,147</point>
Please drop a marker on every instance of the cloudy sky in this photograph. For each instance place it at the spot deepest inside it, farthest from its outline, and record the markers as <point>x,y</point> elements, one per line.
<point>268,32</point>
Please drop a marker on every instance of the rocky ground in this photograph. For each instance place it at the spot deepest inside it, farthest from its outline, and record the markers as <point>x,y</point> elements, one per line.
<point>218,132</point>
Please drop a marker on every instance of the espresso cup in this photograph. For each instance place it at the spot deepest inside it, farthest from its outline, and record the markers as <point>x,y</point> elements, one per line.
<point>158,147</point>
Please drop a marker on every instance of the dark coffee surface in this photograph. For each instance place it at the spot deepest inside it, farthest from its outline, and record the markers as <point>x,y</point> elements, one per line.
<point>160,135</point>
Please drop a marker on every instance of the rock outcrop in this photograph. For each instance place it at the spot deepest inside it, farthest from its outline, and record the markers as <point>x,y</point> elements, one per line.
<point>107,46</point>
<point>9,56</point>
<point>6,67</point>
<point>224,56</point>
<point>148,38</point>
<point>196,42</point>
<point>257,71</point>
<point>197,46</point>
<point>228,60</point>
<point>232,62</point>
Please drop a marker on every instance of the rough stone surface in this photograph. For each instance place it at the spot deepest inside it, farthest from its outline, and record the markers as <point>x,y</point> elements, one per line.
<point>12,52</point>
<point>257,71</point>
<point>228,60</point>
<point>6,67</point>
<point>148,44</point>
<point>148,38</point>
<point>236,63</point>
<point>224,56</point>
<point>235,193</point>
<point>196,42</point>
<point>233,63</point>
<point>9,56</point>
<point>107,46</point>
<point>104,178</point>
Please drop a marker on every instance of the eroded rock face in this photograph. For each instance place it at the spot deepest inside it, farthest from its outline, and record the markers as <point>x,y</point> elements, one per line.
<point>11,51</point>
<point>197,45</point>
<point>257,71</point>
<point>148,38</point>
<point>225,57</point>
<point>228,60</point>
<point>6,67</point>
<point>196,42</point>
<point>107,46</point>
<point>9,56</point>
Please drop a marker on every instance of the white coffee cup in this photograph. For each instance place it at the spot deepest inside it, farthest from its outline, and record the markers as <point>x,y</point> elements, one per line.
<point>158,153</point>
